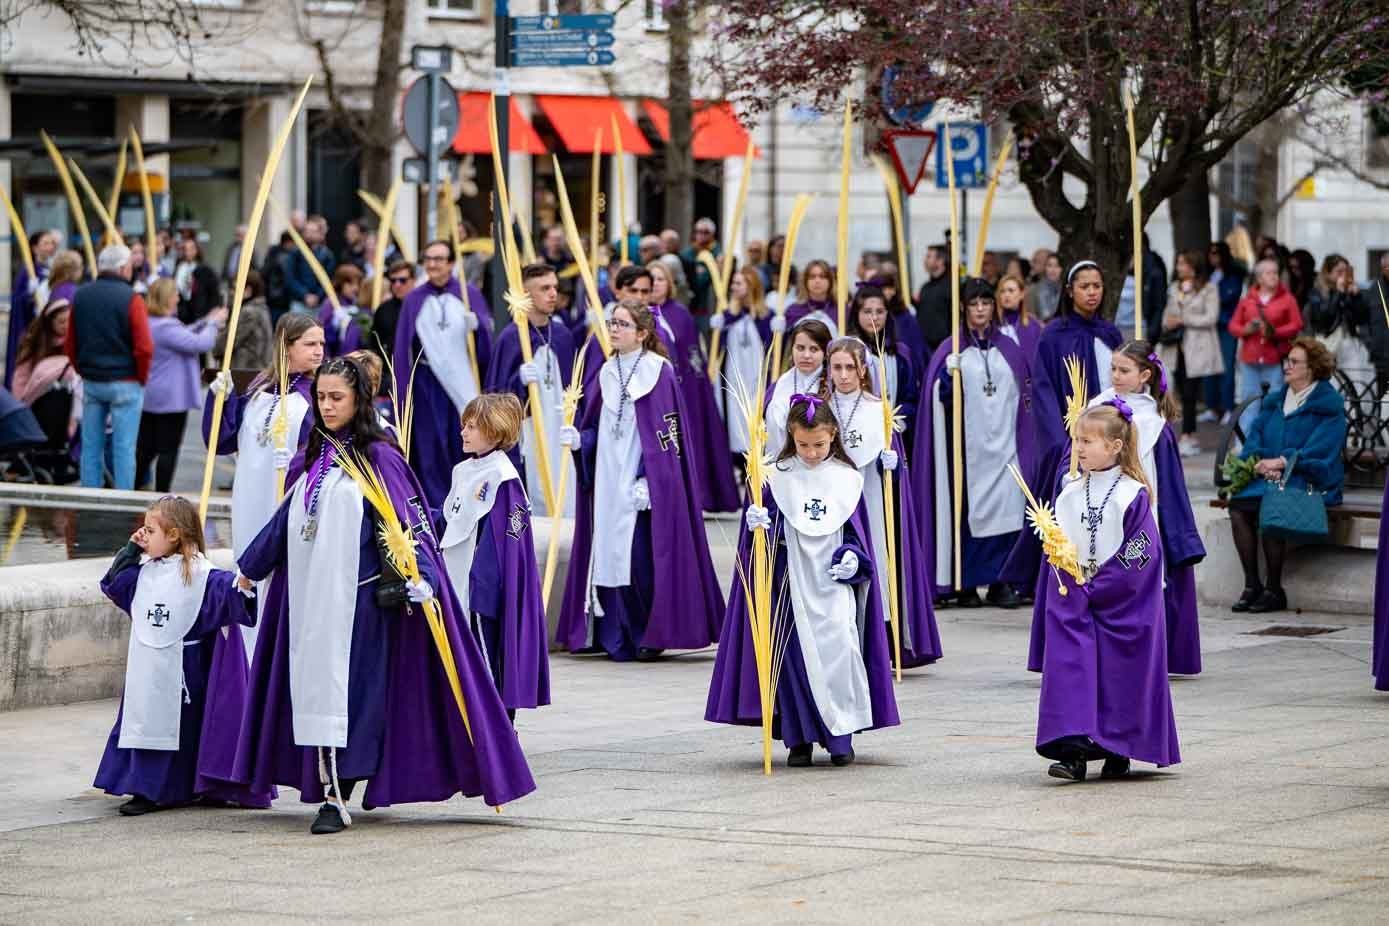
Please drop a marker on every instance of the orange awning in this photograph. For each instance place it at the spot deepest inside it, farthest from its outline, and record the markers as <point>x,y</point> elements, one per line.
<point>472,137</point>
<point>717,132</point>
<point>576,118</point>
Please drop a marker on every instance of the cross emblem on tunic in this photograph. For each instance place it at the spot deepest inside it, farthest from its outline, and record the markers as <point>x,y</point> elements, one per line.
<point>1136,552</point>
<point>158,615</point>
<point>990,389</point>
<point>671,436</point>
<point>516,522</point>
<point>816,509</point>
<point>852,439</point>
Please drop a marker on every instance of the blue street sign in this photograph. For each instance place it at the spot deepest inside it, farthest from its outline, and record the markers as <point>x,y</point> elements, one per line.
<point>549,58</point>
<point>969,143</point>
<point>900,111</point>
<point>566,39</point>
<point>548,23</point>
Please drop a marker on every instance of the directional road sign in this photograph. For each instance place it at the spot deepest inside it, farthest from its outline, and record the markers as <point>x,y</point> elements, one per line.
<point>547,23</point>
<point>562,58</point>
<point>561,38</point>
<point>969,144</point>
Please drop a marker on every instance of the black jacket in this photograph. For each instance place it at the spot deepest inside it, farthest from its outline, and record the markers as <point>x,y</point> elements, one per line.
<point>933,310</point>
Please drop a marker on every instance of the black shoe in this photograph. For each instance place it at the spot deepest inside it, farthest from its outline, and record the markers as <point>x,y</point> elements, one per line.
<point>1071,770</point>
<point>841,761</point>
<point>1271,599</point>
<point>329,820</point>
<point>799,757</point>
<point>1116,767</point>
<point>138,806</point>
<point>648,655</point>
<point>1250,595</point>
<point>969,599</point>
<point>1001,595</point>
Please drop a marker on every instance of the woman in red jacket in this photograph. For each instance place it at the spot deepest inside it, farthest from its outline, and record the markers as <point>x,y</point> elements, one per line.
<point>1266,321</point>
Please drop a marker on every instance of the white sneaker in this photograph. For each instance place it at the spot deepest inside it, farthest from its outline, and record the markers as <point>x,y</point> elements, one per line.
<point>1226,418</point>
<point>1206,417</point>
<point>1188,448</point>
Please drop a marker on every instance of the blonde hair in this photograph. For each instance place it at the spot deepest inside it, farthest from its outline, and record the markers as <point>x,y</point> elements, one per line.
<point>498,416</point>
<point>854,348</point>
<point>179,516</point>
<point>757,297</point>
<point>162,297</point>
<point>371,365</point>
<point>66,268</point>
<point>1023,315</point>
<point>656,267</point>
<point>1114,426</point>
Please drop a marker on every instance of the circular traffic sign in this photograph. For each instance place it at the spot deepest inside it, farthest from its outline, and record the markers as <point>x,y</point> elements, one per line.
<point>900,112</point>
<point>415,115</point>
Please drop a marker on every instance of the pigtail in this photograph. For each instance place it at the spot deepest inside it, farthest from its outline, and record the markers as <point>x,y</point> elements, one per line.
<point>1129,463</point>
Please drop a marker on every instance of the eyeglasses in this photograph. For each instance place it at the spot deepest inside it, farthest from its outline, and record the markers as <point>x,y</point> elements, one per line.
<point>397,281</point>
<point>1290,362</point>
<point>621,324</point>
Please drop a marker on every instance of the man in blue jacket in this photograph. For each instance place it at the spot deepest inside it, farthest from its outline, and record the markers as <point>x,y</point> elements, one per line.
<point>305,292</point>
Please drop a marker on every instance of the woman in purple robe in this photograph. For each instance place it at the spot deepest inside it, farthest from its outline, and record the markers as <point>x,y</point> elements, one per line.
<point>889,360</point>
<point>433,368</point>
<point>1018,323</point>
<point>486,540</point>
<point>850,393</point>
<point>24,305</point>
<point>348,682</point>
<point>997,392</point>
<point>346,324</point>
<point>1104,678</point>
<point>639,515</point>
<point>815,297</point>
<point>836,677</point>
<point>747,333</point>
<point>185,674</point>
<point>904,323</point>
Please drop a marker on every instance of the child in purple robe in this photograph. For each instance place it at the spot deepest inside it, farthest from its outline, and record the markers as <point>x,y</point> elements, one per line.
<point>347,324</point>
<point>488,548</point>
<point>804,364</point>
<point>746,334</point>
<point>836,678</point>
<point>859,414</point>
<point>1104,675</point>
<point>348,682</point>
<point>640,576</point>
<point>185,673</point>
<point>815,298</point>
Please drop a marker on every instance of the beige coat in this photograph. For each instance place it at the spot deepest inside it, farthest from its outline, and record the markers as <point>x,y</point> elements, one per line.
<point>1200,315</point>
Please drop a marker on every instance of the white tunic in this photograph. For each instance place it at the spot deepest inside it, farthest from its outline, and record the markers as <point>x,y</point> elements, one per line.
<point>742,370</point>
<point>471,496</point>
<point>793,381</point>
<point>442,328</point>
<point>815,502</point>
<point>864,440</point>
<point>163,611</point>
<point>1071,515</point>
<point>1150,424</point>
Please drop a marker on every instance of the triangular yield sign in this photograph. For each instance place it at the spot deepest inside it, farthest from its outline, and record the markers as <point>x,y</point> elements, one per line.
<point>911,151</point>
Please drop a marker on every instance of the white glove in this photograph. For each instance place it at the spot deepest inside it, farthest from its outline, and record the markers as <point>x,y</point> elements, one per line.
<point>419,592</point>
<point>470,319</point>
<point>757,518</point>
<point>282,456</point>
<point>778,324</point>
<point>952,362</point>
<point>889,460</point>
<point>530,373</point>
<point>846,568</point>
<point>245,592</point>
<point>222,384</point>
<point>641,495</point>
<point>716,321</point>
<point>569,437</point>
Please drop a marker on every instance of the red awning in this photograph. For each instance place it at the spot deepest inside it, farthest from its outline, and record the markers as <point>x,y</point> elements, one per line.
<point>472,137</point>
<point>717,132</point>
<point>576,118</point>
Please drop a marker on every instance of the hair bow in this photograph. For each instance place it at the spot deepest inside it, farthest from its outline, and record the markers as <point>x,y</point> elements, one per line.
<point>1162,372</point>
<point>812,402</point>
<point>1122,408</point>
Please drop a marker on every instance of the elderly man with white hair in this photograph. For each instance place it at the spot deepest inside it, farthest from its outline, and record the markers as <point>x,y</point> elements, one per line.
<point>109,344</point>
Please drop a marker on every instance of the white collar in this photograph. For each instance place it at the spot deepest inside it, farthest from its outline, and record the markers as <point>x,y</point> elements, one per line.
<point>817,500</point>
<point>644,376</point>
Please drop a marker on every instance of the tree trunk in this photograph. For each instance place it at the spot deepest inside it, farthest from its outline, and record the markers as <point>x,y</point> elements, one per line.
<point>381,126</point>
<point>1268,140</point>
<point>1191,214</point>
<point>680,174</point>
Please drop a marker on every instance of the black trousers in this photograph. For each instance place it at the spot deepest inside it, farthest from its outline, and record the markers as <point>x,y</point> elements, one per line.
<point>1189,388</point>
<point>161,433</point>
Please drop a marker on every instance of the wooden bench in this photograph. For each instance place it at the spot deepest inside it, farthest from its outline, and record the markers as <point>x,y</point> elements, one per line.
<point>1356,509</point>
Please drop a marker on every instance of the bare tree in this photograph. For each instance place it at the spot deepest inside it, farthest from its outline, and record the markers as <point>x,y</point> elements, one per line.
<point>112,31</point>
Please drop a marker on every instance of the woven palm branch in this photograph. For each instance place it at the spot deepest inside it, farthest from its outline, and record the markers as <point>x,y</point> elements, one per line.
<point>1075,403</point>
<point>1060,552</point>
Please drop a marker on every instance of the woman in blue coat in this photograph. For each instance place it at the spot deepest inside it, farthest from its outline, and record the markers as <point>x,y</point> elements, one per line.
<point>1296,440</point>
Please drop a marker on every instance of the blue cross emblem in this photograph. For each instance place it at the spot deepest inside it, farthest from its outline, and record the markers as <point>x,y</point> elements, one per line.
<point>816,508</point>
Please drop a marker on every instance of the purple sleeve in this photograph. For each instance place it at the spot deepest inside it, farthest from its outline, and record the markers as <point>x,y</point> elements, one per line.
<point>857,545</point>
<point>198,338</point>
<point>268,550</point>
<point>119,582</point>
<point>222,605</point>
<point>232,411</point>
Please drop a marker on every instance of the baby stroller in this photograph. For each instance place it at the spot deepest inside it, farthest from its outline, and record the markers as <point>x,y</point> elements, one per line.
<point>34,444</point>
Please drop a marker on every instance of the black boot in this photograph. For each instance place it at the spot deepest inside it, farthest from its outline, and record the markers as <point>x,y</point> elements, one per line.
<point>799,757</point>
<point>1115,767</point>
<point>969,598</point>
<point>1001,595</point>
<point>645,654</point>
<point>329,820</point>
<point>1247,598</point>
<point>1072,769</point>
<point>841,761</point>
<point>1270,600</point>
<point>138,806</point>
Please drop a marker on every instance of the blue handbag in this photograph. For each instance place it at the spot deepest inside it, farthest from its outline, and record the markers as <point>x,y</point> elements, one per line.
<point>1296,515</point>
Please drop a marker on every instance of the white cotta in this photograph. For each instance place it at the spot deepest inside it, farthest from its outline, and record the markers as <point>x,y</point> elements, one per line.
<point>815,503</point>
<point>990,444</point>
<point>344,316</point>
<point>163,611</point>
<point>792,382</point>
<point>253,486</point>
<point>323,608</point>
<point>1150,424</point>
<point>471,496</point>
<point>618,459</point>
<point>1070,512</point>
<point>876,365</point>
<point>1104,359</point>
<point>442,329</point>
<point>552,405</point>
<point>865,432</point>
<point>742,370</point>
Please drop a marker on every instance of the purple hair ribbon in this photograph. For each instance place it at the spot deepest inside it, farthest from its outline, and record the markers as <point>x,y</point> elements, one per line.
<point>813,402</point>
<point>1122,408</point>
<point>1162,372</point>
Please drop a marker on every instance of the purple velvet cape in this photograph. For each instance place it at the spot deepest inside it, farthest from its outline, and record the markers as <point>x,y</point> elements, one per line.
<point>733,691</point>
<point>916,607</point>
<point>1029,335</point>
<point>424,750</point>
<point>334,346</point>
<point>924,468</point>
<point>687,601</point>
<point>1105,672</point>
<point>1380,665</point>
<point>234,410</point>
<point>214,672</point>
<point>22,314</point>
<point>1182,550</point>
<point>435,441</point>
<point>505,600</point>
<point>909,336</point>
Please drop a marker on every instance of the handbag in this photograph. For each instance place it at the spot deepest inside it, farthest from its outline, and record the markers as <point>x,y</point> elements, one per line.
<point>1297,515</point>
<point>1172,337</point>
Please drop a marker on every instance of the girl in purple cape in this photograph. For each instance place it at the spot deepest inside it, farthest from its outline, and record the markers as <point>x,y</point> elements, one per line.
<point>487,546</point>
<point>746,326</point>
<point>638,516</point>
<point>346,325</point>
<point>1104,675</point>
<point>185,682</point>
<point>815,298</point>
<point>347,683</point>
<point>859,413</point>
<point>835,678</point>
<point>890,366</point>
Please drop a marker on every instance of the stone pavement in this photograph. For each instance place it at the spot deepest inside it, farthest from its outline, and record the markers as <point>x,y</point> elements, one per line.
<point>646,814</point>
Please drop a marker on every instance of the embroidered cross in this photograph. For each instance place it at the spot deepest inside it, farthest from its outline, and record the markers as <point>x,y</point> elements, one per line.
<point>1136,551</point>
<point>990,389</point>
<point>456,507</point>
<point>421,527</point>
<point>158,615</point>
<point>815,509</point>
<point>671,436</point>
<point>1093,518</point>
<point>852,439</point>
<point>516,522</point>
<point>695,363</point>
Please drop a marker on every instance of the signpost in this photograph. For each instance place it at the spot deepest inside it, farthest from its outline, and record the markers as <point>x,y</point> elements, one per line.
<point>561,41</point>
<point>968,147</point>
<point>431,120</point>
